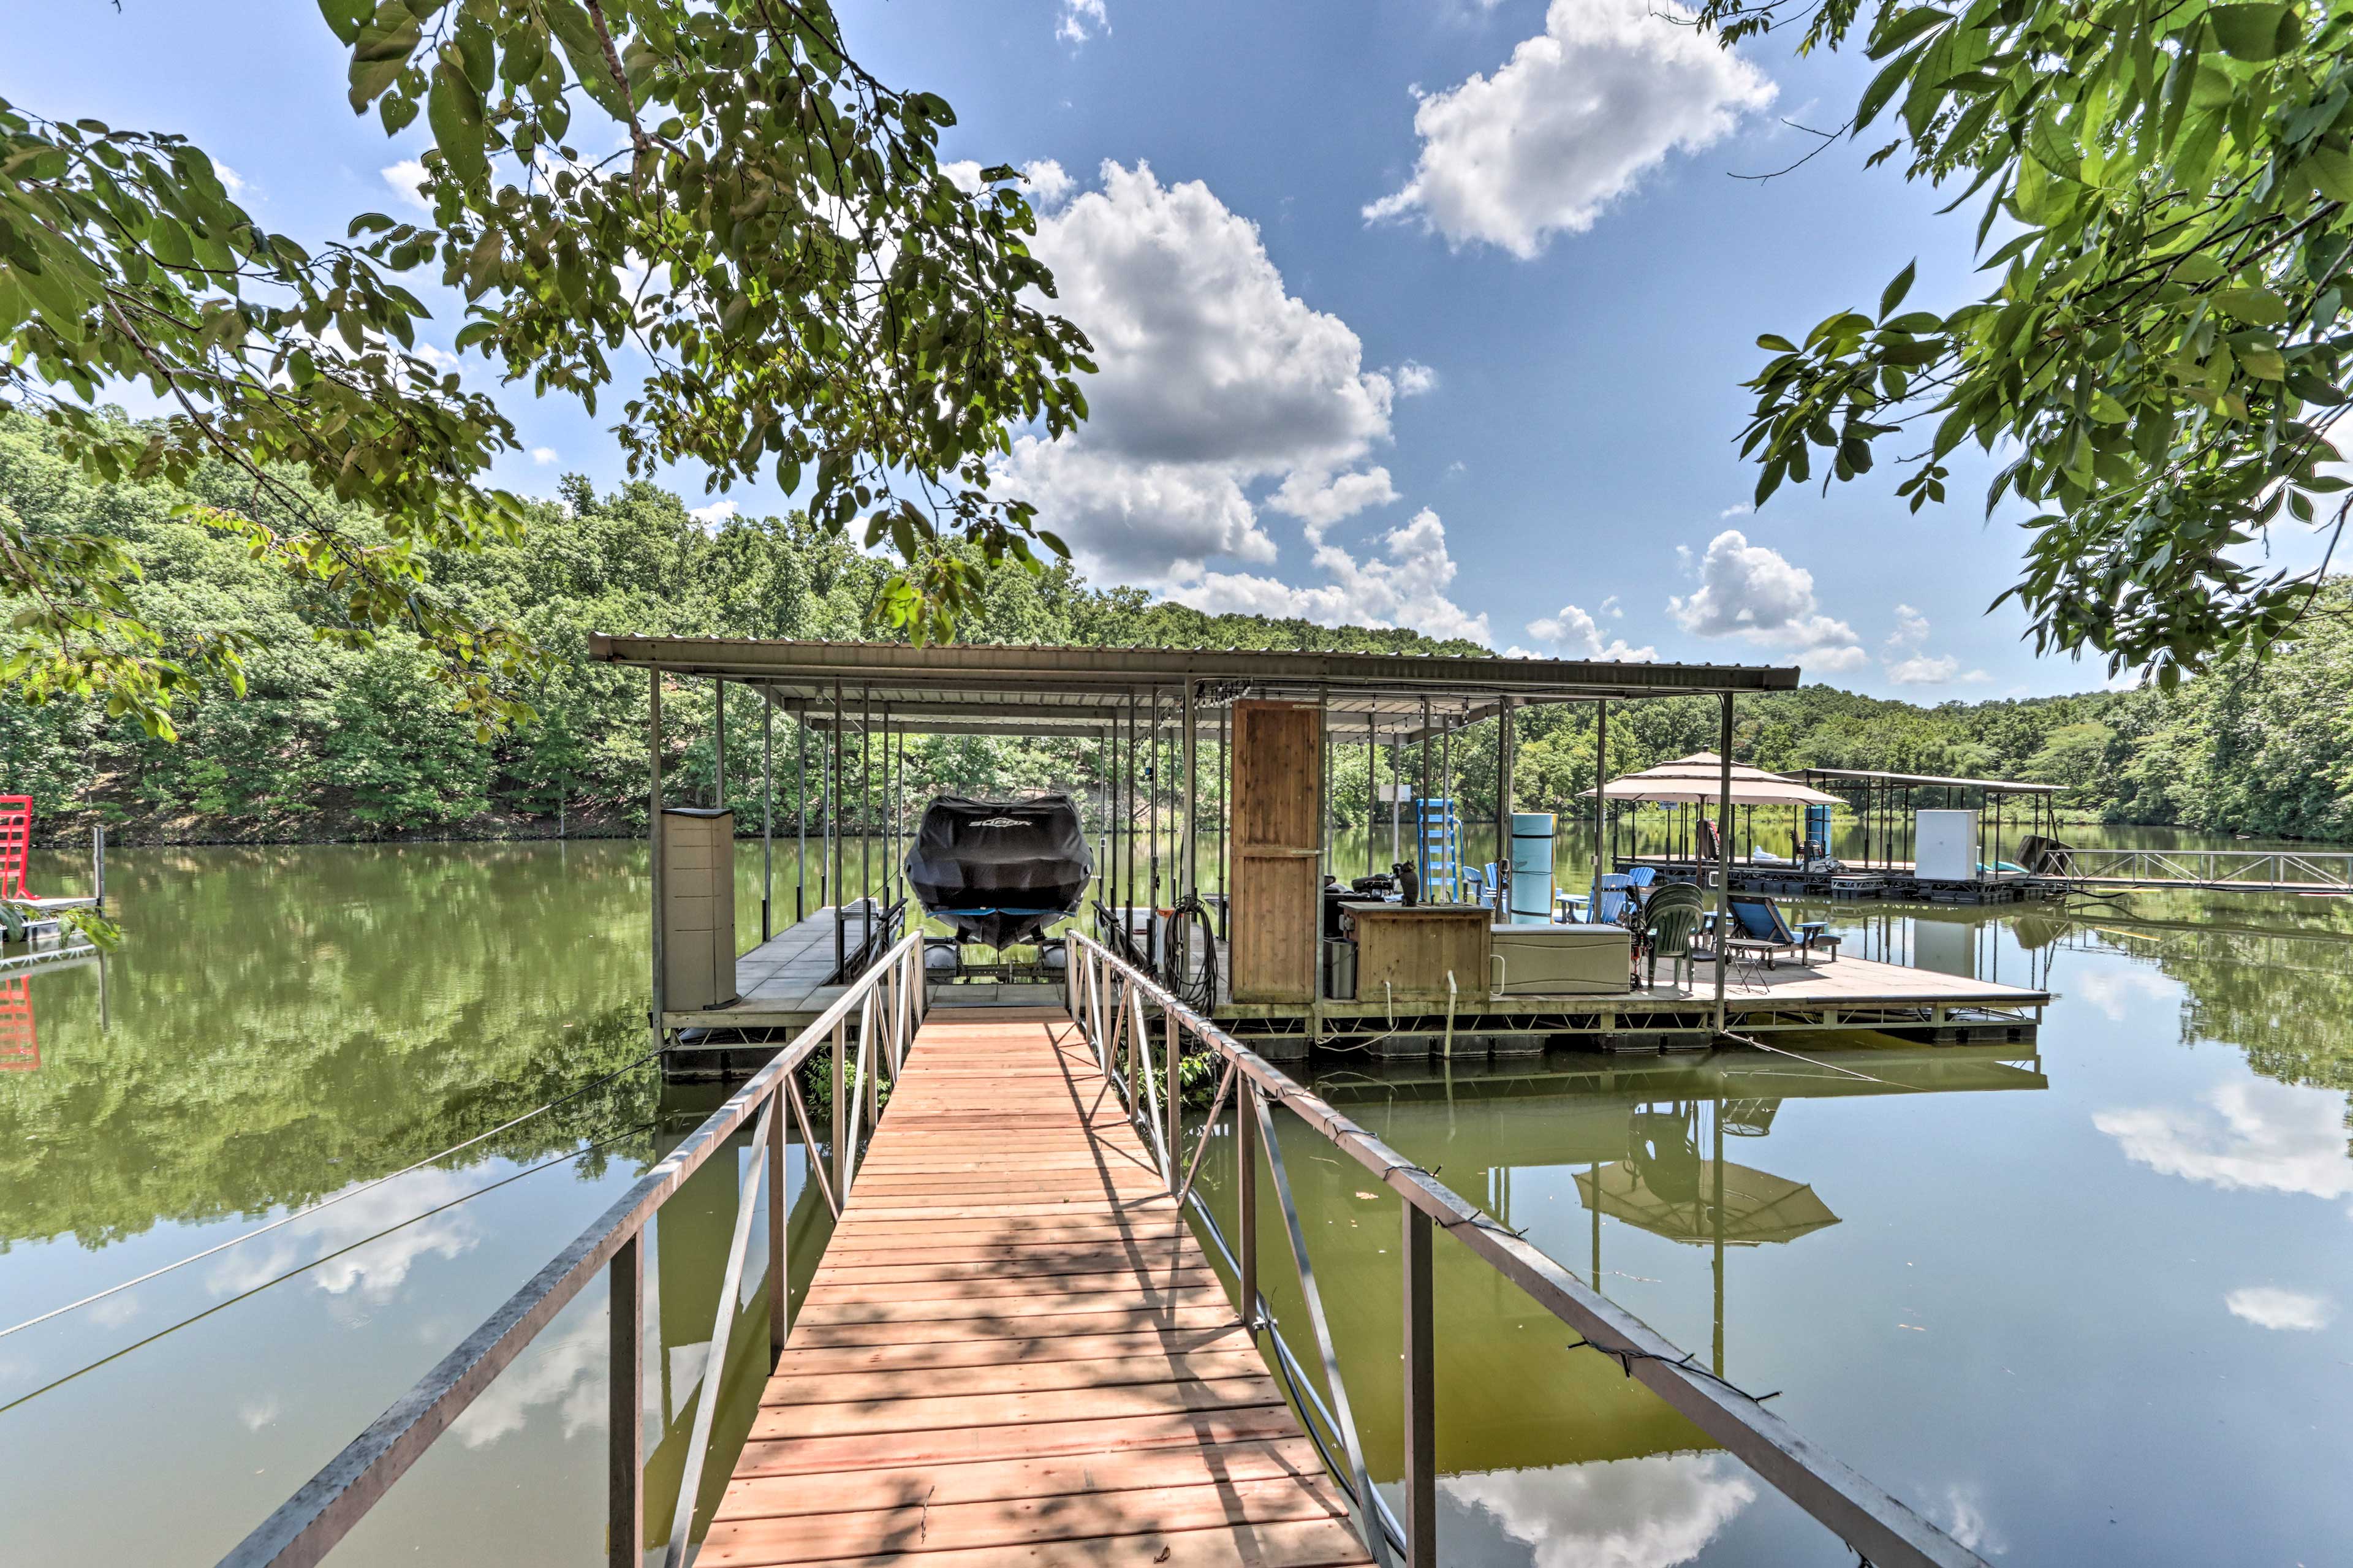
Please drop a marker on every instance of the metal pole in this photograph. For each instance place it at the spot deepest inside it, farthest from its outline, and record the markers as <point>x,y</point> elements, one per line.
<point>767,816</point>
<point>1128,822</point>
<point>780,1271</point>
<point>625,1486</point>
<point>833,827</point>
<point>1323,867</point>
<point>1153,770</point>
<point>654,844</point>
<point>866,809</point>
<point>1600,799</point>
<point>800,818</point>
<point>1422,865</point>
<point>1723,857</point>
<point>1420,1392</point>
<point>1245,1214</point>
<point>97,865</point>
<point>718,742</point>
<point>1189,881</point>
<point>1176,1112</point>
<point>1372,785</point>
<point>841,1108</point>
<point>1505,795</point>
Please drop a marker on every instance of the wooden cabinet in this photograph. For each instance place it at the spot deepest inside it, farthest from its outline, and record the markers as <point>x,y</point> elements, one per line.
<point>1414,947</point>
<point>1278,785</point>
<point>698,908</point>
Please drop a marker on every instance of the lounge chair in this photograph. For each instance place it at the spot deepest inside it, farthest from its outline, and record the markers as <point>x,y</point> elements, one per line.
<point>1609,900</point>
<point>1762,931</point>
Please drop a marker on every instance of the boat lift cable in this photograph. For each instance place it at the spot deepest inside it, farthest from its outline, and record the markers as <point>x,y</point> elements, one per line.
<point>583,1151</point>
<point>331,1201</point>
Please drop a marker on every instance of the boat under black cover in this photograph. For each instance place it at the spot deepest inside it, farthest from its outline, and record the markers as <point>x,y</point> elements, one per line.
<point>999,871</point>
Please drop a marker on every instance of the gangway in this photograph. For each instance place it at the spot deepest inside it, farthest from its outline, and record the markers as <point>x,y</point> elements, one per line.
<point>1013,1147</point>
<point>2215,871</point>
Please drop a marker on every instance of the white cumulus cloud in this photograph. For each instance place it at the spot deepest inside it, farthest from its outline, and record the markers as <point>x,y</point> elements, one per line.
<point>542,455</point>
<point>1213,377</point>
<point>714,514</point>
<point>1755,593</point>
<point>1406,586</point>
<point>1080,20</point>
<point>1570,122</point>
<point>1909,665</point>
<point>1576,631</point>
<point>2269,1307</point>
<point>1413,378</point>
<point>406,179</point>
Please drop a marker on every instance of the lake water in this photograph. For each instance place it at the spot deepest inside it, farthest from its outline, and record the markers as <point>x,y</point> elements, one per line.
<point>2090,1302</point>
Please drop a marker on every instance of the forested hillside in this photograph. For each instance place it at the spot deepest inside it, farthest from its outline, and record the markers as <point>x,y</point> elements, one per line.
<point>335,742</point>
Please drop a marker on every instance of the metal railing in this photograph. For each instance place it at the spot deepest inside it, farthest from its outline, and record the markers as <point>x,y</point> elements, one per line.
<point>1107,996</point>
<point>888,1001</point>
<point>2257,871</point>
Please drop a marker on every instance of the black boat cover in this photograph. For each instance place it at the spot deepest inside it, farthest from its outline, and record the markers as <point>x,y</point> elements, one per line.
<point>999,871</point>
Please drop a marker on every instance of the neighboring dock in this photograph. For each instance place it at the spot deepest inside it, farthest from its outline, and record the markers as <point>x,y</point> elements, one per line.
<point>1014,1352</point>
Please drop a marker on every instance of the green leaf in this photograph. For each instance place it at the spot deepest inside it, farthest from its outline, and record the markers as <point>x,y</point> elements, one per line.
<point>1901,28</point>
<point>456,115</point>
<point>2332,172</point>
<point>1777,343</point>
<point>2256,307</point>
<point>1899,286</point>
<point>1883,87</point>
<point>2249,32</point>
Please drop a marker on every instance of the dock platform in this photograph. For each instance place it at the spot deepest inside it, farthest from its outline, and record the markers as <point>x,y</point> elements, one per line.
<point>1013,1350</point>
<point>783,988</point>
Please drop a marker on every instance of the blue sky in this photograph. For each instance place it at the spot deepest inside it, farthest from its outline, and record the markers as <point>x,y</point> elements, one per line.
<point>1429,312</point>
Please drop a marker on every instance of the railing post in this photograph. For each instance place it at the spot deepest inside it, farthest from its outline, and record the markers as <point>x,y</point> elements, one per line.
<point>840,1110</point>
<point>625,1518</point>
<point>780,1299</point>
<point>1176,1103</point>
<point>1246,1196</point>
<point>1421,1389</point>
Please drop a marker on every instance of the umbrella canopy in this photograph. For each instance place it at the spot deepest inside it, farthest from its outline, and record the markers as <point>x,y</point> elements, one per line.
<point>1699,777</point>
<point>1758,1207</point>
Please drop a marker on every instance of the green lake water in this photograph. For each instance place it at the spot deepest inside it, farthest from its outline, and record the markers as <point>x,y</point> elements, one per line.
<point>2087,1302</point>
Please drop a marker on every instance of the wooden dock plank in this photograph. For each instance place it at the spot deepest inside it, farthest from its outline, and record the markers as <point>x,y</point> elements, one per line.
<point>1014,1351</point>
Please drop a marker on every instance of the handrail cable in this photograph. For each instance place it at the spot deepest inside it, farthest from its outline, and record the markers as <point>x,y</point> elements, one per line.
<point>330,1201</point>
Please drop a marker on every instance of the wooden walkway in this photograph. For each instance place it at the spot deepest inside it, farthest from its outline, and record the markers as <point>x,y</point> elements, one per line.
<point>1015,1352</point>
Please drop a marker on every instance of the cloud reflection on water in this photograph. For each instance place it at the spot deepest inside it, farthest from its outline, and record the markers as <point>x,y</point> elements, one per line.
<point>1650,1512</point>
<point>2251,1136</point>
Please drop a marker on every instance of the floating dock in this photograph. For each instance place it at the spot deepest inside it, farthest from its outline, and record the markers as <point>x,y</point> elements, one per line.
<point>1014,1351</point>
<point>784,984</point>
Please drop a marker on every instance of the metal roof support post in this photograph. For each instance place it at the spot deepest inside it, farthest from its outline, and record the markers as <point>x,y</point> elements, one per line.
<point>767,815</point>
<point>1600,798</point>
<point>1722,858</point>
<point>719,742</point>
<point>1421,812</point>
<point>1189,881</point>
<point>800,817</point>
<point>1323,866</point>
<point>833,828</point>
<point>1372,783</point>
<point>654,840</point>
<point>866,810</point>
<point>1505,794</point>
<point>1151,771</point>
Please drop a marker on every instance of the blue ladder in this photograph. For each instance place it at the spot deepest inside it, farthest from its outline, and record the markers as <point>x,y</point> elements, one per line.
<point>1440,841</point>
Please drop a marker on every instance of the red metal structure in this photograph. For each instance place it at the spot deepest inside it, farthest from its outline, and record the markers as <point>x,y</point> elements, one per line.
<point>20,1045</point>
<point>15,840</point>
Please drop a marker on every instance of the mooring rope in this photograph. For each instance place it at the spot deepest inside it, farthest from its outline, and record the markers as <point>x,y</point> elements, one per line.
<point>329,1202</point>
<point>583,1151</point>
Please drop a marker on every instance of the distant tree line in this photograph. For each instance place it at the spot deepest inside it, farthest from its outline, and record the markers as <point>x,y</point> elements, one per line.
<point>333,739</point>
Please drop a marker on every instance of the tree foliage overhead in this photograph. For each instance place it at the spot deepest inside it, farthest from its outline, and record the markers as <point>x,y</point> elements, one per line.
<point>2165,340</point>
<point>814,297</point>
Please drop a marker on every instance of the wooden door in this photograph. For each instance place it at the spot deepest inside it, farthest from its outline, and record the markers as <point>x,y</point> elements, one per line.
<point>1277,787</point>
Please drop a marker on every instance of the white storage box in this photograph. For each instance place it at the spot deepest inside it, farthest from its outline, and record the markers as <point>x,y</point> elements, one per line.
<point>1561,961</point>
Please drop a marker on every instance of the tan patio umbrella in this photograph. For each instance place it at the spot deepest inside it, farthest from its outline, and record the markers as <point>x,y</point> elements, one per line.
<point>1699,778</point>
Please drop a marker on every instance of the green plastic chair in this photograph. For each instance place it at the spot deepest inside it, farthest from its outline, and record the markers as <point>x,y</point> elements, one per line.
<point>1670,928</point>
